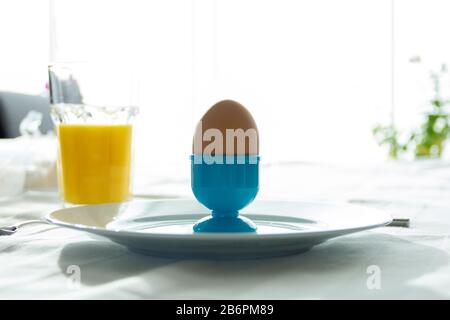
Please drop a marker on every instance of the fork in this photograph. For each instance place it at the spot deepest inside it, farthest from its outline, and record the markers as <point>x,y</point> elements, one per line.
<point>10,230</point>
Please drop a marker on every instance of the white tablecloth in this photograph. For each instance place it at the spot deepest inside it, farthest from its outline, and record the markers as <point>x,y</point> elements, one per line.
<point>412,262</point>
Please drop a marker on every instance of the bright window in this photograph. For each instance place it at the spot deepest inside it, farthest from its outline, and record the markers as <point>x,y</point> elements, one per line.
<point>317,75</point>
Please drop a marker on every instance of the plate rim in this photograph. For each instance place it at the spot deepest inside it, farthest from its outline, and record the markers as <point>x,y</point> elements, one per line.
<point>231,236</point>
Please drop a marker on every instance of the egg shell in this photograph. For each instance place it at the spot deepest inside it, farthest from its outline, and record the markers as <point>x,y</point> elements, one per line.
<point>226,114</point>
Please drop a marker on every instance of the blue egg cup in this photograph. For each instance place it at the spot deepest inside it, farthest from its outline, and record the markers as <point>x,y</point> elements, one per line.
<point>225,186</point>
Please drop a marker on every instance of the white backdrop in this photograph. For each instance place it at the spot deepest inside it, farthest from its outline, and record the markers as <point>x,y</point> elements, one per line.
<point>316,75</point>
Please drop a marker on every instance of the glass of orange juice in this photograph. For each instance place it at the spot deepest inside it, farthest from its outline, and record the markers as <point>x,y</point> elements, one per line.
<point>93,108</point>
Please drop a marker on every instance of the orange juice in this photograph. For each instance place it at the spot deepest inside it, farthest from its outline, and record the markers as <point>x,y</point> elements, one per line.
<point>95,162</point>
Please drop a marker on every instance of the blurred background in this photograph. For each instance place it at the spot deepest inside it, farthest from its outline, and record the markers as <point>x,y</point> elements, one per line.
<point>327,81</point>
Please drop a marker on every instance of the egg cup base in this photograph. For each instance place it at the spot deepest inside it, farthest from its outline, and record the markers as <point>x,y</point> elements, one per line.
<point>220,223</point>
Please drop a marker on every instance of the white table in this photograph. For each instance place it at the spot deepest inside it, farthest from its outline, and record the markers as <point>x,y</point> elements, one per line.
<point>413,262</point>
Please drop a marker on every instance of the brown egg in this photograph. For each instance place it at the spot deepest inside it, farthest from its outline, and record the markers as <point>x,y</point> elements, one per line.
<point>226,128</point>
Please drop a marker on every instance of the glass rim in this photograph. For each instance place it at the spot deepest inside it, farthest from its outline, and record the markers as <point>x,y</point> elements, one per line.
<point>117,63</point>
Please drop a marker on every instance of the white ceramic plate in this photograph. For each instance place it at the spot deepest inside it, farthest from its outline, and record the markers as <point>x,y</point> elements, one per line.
<point>164,227</point>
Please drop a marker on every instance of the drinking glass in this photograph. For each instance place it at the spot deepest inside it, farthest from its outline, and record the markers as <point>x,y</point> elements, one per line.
<point>93,107</point>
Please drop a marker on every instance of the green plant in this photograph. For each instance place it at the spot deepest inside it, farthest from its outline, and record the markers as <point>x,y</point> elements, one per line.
<point>429,139</point>
<point>435,129</point>
<point>388,135</point>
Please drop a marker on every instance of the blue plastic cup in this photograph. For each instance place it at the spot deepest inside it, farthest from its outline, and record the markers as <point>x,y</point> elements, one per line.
<point>225,185</point>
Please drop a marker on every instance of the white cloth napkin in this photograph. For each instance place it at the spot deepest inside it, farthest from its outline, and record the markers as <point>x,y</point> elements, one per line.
<point>27,162</point>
